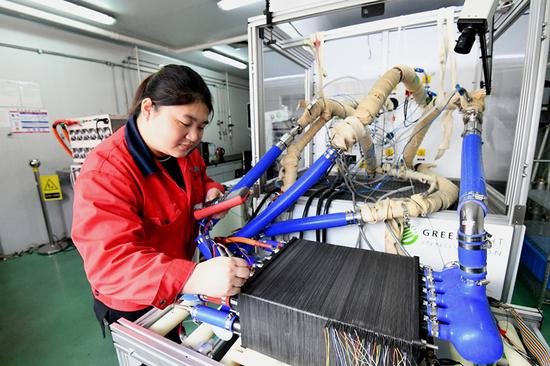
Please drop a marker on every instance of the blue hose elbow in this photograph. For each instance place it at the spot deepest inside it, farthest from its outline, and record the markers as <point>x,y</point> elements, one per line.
<point>466,320</point>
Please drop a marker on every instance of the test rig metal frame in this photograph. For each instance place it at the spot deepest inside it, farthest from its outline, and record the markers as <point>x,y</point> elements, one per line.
<point>513,204</point>
<point>456,308</point>
<point>461,287</point>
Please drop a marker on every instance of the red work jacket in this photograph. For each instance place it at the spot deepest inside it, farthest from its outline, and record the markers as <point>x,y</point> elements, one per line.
<point>133,225</point>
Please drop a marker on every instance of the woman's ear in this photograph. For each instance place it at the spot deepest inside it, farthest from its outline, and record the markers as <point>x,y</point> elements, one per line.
<point>146,107</point>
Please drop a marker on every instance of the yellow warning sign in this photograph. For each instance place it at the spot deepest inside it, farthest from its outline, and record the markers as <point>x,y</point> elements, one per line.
<point>389,152</point>
<point>50,187</point>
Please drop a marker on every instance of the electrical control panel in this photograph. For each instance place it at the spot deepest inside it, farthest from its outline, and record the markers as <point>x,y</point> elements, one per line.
<point>90,132</point>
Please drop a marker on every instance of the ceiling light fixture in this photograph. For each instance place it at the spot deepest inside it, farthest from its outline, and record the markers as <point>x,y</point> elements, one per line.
<point>77,11</point>
<point>213,55</point>
<point>234,4</point>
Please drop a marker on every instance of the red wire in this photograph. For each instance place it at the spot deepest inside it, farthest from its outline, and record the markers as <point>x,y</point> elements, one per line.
<point>63,123</point>
<point>63,145</point>
<point>236,239</point>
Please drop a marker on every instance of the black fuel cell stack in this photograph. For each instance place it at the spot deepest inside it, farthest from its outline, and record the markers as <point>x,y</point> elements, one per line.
<point>317,301</point>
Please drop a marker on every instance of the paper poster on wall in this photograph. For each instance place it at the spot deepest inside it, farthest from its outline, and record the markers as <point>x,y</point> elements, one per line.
<point>15,93</point>
<point>23,120</point>
<point>10,95</point>
<point>30,94</point>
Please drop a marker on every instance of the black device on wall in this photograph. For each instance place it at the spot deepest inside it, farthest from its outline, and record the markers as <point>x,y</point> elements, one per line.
<point>208,151</point>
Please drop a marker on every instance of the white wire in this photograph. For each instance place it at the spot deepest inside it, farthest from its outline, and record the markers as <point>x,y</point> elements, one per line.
<point>342,78</point>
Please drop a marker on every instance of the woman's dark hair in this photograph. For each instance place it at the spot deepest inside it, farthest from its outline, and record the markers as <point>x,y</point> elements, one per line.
<point>172,85</point>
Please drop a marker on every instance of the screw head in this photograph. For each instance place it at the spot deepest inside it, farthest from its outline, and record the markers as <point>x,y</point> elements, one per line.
<point>34,163</point>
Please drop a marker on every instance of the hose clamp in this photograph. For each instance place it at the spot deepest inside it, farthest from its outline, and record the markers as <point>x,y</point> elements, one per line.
<point>473,270</point>
<point>483,282</point>
<point>430,282</point>
<point>471,238</point>
<point>229,321</point>
<point>472,119</point>
<point>481,242</point>
<point>474,196</point>
<point>430,271</point>
<point>435,326</point>
<point>429,278</point>
<point>432,294</point>
<point>331,153</point>
<point>450,265</point>
<point>433,308</point>
<point>483,246</point>
<point>351,217</point>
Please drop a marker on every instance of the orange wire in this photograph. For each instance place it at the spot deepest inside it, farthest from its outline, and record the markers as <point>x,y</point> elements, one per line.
<point>65,132</point>
<point>63,124</point>
<point>236,239</point>
<point>65,147</point>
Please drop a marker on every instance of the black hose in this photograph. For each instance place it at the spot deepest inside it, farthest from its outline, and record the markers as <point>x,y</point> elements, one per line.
<point>308,204</point>
<point>327,208</point>
<point>320,204</point>
<point>263,201</point>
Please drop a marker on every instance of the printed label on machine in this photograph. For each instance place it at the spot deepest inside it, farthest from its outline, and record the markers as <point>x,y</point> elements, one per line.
<point>421,154</point>
<point>50,187</point>
<point>388,155</point>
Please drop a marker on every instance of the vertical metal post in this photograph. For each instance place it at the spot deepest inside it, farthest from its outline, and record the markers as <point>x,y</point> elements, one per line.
<point>35,163</point>
<point>138,67</point>
<point>52,246</point>
<point>541,151</point>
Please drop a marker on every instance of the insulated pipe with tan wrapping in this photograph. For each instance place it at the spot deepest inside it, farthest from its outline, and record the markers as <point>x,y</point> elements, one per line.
<point>417,205</point>
<point>418,135</point>
<point>370,156</point>
<point>170,320</point>
<point>422,127</point>
<point>321,112</point>
<point>199,336</point>
<point>324,107</point>
<point>477,101</point>
<point>346,133</point>
<point>369,107</point>
<point>405,174</point>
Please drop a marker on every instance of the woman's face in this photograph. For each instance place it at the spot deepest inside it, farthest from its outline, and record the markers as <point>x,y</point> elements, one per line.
<point>172,130</point>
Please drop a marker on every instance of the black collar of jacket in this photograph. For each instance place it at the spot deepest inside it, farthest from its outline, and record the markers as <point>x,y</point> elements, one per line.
<point>142,155</point>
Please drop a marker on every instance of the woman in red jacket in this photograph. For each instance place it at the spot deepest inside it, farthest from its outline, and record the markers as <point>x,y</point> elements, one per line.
<point>133,223</point>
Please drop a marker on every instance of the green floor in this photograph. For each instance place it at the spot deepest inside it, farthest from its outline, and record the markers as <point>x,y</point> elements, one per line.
<point>46,313</point>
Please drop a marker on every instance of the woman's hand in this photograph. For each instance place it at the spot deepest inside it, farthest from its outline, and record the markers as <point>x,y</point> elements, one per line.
<point>212,194</point>
<point>218,277</point>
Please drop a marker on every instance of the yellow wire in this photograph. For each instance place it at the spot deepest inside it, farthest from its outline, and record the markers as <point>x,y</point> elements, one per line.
<point>327,348</point>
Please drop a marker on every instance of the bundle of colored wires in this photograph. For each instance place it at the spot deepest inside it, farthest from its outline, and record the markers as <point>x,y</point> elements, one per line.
<point>537,353</point>
<point>350,349</point>
<point>64,124</point>
<point>252,242</point>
